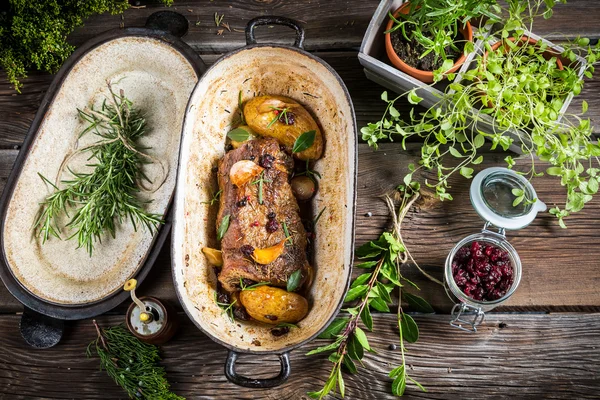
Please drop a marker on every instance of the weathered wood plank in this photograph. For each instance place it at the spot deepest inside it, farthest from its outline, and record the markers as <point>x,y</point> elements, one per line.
<point>557,274</point>
<point>521,356</point>
<point>330,25</point>
<point>18,111</point>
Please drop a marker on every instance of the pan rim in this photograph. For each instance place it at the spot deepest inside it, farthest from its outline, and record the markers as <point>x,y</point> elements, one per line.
<point>175,206</point>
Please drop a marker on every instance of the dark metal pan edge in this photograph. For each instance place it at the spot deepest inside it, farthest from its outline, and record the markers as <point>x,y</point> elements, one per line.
<point>74,312</point>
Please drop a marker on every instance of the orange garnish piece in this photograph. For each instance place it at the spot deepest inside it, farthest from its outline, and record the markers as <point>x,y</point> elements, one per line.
<point>269,254</point>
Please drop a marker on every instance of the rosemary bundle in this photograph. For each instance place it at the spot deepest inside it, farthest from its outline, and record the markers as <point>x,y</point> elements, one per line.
<point>373,289</point>
<point>131,364</point>
<point>105,196</point>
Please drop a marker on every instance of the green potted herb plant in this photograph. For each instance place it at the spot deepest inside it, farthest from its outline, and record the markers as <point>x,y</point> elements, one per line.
<point>427,35</point>
<point>521,85</point>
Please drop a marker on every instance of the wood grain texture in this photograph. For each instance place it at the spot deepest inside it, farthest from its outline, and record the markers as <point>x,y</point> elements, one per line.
<point>333,29</point>
<point>521,356</point>
<point>553,263</point>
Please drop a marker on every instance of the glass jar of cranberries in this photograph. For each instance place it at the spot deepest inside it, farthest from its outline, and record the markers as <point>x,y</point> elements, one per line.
<point>483,270</point>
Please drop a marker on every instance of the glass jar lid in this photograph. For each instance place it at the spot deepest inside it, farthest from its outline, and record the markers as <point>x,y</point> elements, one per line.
<point>493,193</point>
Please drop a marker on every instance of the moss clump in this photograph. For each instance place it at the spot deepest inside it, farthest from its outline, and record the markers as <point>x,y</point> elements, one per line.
<point>33,33</point>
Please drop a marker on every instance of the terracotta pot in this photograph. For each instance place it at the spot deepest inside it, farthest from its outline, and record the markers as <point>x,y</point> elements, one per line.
<point>423,76</point>
<point>548,54</point>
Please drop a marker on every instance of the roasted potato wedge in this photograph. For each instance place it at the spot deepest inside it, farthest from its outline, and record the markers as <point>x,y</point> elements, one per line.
<point>264,115</point>
<point>273,305</point>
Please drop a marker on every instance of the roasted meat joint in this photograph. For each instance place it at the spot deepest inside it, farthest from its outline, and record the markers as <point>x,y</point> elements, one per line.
<point>265,244</point>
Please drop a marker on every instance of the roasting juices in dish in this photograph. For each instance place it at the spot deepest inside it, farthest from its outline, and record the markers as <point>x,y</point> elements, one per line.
<point>263,264</point>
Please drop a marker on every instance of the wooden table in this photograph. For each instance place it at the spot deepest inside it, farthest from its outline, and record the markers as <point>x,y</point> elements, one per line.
<point>544,343</point>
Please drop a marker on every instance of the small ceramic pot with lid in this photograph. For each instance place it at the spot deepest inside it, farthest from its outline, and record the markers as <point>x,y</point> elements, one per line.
<point>483,270</point>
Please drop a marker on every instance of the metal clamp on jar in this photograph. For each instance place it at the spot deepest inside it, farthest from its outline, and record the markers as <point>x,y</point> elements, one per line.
<point>483,270</point>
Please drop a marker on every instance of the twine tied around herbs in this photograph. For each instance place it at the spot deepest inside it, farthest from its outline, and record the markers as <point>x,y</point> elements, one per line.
<point>398,218</point>
<point>123,121</point>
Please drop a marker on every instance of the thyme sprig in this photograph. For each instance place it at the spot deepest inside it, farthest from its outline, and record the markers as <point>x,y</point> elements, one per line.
<point>383,258</point>
<point>107,196</point>
<point>131,363</point>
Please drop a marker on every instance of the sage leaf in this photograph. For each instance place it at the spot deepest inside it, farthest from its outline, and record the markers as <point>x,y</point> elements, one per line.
<point>366,318</point>
<point>410,330</point>
<point>379,304</point>
<point>355,349</point>
<point>366,265</point>
<point>304,141</point>
<point>331,346</point>
<point>223,227</point>
<point>294,280</point>
<point>399,384</point>
<point>383,292</point>
<point>360,280</point>
<point>362,338</point>
<point>238,135</point>
<point>349,364</point>
<point>334,328</point>
<point>355,293</point>
<point>418,303</point>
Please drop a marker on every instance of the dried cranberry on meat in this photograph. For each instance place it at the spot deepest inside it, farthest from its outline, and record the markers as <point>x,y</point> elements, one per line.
<point>247,250</point>
<point>272,226</point>
<point>266,161</point>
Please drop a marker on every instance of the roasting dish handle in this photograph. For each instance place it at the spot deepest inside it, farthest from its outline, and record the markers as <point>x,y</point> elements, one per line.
<point>275,20</point>
<point>240,380</point>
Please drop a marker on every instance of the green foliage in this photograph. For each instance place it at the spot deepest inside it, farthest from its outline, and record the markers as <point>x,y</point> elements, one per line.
<point>131,364</point>
<point>521,87</point>
<point>435,23</point>
<point>33,33</point>
<point>372,290</point>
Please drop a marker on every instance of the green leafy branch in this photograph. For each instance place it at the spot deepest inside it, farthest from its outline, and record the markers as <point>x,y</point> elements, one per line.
<point>382,259</point>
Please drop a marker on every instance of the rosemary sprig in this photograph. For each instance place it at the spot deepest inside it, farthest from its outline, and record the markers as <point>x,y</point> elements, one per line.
<point>260,181</point>
<point>214,199</point>
<point>106,196</point>
<point>244,287</point>
<point>280,114</point>
<point>226,307</point>
<point>372,290</point>
<point>131,363</point>
<point>312,174</point>
<point>218,19</point>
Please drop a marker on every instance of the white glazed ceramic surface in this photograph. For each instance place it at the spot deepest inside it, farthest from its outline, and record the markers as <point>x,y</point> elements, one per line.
<point>158,79</point>
<point>210,115</point>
